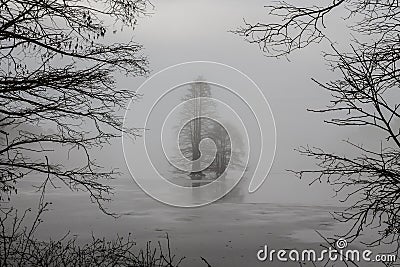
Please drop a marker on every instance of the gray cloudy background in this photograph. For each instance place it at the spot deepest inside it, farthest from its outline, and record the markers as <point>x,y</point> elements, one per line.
<point>182,31</point>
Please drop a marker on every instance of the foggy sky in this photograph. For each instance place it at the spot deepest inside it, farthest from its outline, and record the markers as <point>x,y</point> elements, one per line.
<point>182,31</point>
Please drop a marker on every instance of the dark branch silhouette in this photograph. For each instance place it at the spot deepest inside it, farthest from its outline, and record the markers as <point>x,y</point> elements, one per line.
<point>365,95</point>
<point>19,247</point>
<point>57,88</point>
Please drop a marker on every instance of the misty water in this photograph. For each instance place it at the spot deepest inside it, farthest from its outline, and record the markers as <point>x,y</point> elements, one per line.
<point>228,232</point>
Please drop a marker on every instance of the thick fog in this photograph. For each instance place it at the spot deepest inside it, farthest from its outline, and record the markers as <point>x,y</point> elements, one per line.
<point>183,31</point>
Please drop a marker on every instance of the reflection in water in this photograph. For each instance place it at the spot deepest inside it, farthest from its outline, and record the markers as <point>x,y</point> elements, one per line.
<point>220,186</point>
<point>219,189</point>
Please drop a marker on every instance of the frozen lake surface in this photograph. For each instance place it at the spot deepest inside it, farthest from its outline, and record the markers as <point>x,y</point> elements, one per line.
<point>226,233</point>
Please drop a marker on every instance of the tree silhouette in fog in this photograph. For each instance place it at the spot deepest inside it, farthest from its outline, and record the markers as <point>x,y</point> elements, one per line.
<point>193,114</point>
<point>197,125</point>
<point>57,73</point>
<point>366,94</point>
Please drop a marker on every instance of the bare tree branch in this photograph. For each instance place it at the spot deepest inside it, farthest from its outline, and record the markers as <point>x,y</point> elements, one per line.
<point>366,94</point>
<point>57,73</point>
